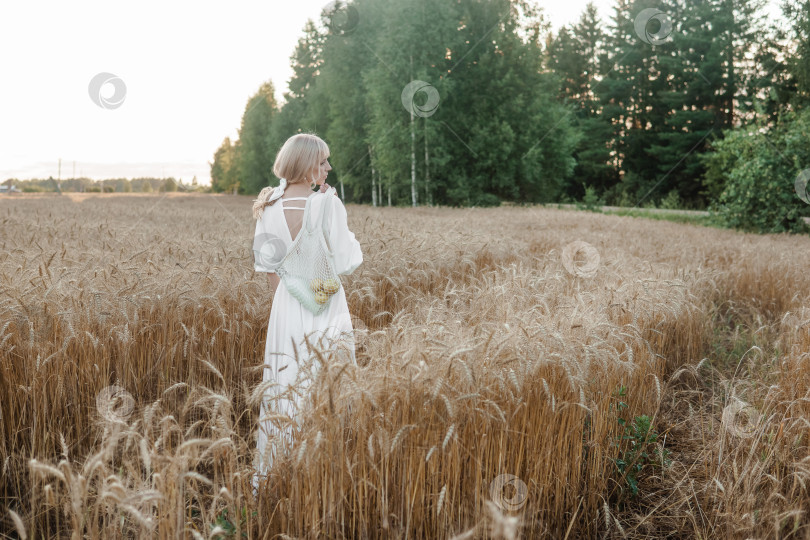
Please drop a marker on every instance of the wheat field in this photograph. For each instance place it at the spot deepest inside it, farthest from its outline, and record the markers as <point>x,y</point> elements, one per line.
<point>502,385</point>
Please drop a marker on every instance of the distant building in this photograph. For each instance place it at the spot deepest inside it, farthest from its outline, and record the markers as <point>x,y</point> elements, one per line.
<point>8,189</point>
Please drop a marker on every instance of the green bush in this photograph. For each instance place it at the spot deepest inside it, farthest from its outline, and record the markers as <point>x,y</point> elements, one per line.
<point>630,192</point>
<point>672,201</point>
<point>625,200</point>
<point>566,199</point>
<point>641,454</point>
<point>169,185</point>
<point>592,201</point>
<point>761,167</point>
<point>485,199</point>
<point>649,203</point>
<point>33,189</point>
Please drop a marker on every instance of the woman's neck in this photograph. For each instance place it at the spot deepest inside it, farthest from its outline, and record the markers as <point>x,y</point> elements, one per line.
<point>298,190</point>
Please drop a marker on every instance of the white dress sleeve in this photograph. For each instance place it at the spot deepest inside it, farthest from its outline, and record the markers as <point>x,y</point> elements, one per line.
<point>266,246</point>
<point>345,247</point>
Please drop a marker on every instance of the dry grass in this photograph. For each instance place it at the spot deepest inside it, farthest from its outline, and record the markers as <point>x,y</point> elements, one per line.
<point>483,357</point>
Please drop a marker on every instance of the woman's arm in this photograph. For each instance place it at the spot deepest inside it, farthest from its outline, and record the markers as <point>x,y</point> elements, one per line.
<point>346,250</point>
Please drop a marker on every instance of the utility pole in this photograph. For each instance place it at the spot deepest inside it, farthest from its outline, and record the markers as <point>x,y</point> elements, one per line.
<point>373,181</point>
<point>413,150</point>
<point>428,198</point>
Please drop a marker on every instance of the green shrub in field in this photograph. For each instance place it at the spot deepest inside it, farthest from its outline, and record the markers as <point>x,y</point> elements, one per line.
<point>758,169</point>
<point>624,199</point>
<point>672,201</point>
<point>640,452</point>
<point>591,201</point>
<point>485,200</point>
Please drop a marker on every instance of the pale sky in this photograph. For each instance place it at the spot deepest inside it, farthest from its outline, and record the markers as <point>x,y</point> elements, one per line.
<point>188,66</point>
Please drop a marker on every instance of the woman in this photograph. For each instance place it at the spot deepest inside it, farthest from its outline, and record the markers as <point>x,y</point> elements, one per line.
<point>302,163</point>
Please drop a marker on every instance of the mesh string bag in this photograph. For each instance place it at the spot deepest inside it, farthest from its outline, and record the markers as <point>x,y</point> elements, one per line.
<point>308,268</point>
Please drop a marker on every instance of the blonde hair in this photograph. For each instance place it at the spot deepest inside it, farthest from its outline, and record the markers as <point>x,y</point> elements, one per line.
<point>300,155</point>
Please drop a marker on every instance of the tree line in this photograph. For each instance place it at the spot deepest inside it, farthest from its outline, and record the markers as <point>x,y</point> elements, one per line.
<point>107,185</point>
<point>474,102</point>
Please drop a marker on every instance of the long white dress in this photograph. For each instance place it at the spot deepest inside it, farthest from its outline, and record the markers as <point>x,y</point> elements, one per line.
<point>290,322</point>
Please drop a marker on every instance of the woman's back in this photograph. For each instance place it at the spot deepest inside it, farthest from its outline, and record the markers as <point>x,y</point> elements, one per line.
<point>294,213</point>
<point>284,220</point>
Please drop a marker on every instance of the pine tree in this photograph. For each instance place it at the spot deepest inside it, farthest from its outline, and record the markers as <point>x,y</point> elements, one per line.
<point>255,162</point>
<point>696,97</point>
<point>302,110</point>
<point>346,55</point>
<point>799,62</point>
<point>574,55</point>
<point>631,98</point>
<point>224,168</point>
